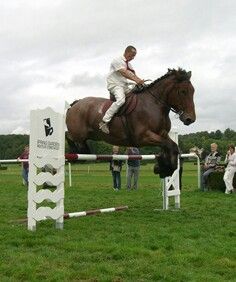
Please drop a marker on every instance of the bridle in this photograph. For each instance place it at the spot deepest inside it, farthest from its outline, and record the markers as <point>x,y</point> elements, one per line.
<point>164,103</point>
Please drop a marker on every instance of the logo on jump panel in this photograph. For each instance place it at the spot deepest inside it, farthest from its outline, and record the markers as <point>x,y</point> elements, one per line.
<point>47,126</point>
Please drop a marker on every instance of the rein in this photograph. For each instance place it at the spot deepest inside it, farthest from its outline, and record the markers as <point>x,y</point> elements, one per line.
<point>180,113</point>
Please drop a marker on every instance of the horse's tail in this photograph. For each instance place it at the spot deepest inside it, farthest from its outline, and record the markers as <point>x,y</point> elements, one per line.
<point>72,104</point>
<point>73,148</point>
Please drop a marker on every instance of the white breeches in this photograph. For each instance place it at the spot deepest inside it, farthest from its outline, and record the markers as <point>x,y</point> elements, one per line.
<point>228,178</point>
<point>119,93</point>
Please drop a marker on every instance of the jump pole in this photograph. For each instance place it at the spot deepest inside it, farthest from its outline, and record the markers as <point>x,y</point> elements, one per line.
<point>91,157</point>
<point>93,212</point>
<point>14,161</point>
<point>84,213</point>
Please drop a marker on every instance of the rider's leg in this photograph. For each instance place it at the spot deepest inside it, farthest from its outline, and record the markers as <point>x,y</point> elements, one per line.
<point>119,94</point>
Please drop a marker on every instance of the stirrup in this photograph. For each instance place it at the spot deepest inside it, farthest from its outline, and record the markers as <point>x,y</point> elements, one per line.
<point>104,128</point>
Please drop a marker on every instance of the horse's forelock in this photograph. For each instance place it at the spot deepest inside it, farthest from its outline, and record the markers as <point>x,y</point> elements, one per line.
<point>182,75</point>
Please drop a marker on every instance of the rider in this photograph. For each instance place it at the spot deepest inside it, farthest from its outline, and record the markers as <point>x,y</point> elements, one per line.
<point>117,83</point>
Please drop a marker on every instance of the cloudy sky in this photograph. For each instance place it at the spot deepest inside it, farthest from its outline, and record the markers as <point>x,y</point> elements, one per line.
<point>57,51</point>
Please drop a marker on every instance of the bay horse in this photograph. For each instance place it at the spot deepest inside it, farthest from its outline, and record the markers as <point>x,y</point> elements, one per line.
<point>147,125</point>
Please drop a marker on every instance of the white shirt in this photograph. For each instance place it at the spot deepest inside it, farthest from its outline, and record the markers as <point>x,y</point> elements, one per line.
<point>231,160</point>
<point>114,78</point>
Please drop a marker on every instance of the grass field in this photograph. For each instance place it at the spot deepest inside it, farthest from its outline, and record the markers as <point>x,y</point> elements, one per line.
<point>196,243</point>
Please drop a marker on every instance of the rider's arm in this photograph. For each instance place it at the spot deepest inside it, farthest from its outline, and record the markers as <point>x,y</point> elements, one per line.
<point>128,74</point>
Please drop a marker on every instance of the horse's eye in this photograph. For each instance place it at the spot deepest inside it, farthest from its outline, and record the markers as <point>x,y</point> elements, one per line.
<point>183,92</point>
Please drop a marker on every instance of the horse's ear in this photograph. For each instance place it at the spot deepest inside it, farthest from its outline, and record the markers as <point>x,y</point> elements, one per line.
<point>189,73</point>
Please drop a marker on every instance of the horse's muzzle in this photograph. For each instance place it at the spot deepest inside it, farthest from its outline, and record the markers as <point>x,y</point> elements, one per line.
<point>187,119</point>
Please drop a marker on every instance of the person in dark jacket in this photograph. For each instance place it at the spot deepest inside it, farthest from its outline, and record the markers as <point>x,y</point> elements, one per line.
<point>115,168</point>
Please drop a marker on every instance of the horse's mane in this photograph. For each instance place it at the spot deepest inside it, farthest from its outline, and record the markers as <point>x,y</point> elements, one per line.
<point>179,74</point>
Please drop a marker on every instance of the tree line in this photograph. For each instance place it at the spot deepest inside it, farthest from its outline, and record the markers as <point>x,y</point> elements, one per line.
<point>204,139</point>
<point>11,146</point>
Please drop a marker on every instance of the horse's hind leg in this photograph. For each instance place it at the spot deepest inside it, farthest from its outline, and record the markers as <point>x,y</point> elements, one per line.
<point>75,147</point>
<point>84,148</point>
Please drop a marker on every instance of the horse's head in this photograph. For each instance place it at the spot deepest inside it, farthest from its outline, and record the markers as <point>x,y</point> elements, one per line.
<point>180,97</point>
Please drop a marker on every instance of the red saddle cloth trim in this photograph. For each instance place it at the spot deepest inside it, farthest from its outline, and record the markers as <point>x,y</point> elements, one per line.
<point>126,109</point>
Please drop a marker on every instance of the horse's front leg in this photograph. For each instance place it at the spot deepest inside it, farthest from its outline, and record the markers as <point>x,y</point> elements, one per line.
<point>168,158</point>
<point>170,153</point>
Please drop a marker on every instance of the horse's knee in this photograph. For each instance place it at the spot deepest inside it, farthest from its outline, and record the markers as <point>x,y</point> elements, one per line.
<point>156,168</point>
<point>174,161</point>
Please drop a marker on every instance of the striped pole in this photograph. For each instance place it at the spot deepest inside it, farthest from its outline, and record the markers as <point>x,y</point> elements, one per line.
<point>93,212</point>
<point>14,161</point>
<point>83,213</point>
<point>90,157</point>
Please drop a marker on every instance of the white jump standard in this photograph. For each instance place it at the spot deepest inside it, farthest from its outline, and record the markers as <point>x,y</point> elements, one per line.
<point>47,147</point>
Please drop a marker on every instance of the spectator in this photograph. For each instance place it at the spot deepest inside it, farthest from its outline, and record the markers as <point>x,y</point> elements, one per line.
<point>211,161</point>
<point>25,165</point>
<point>115,167</point>
<point>132,169</point>
<point>230,170</point>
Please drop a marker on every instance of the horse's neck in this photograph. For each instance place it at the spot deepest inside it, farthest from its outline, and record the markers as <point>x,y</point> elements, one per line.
<point>154,100</point>
<point>158,92</point>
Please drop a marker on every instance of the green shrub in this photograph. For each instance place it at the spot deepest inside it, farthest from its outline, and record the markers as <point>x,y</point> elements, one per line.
<point>215,181</point>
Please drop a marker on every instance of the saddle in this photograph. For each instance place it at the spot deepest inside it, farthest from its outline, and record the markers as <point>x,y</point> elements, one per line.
<point>126,109</point>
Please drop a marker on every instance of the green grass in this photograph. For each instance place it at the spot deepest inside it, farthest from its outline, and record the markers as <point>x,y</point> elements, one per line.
<point>196,243</point>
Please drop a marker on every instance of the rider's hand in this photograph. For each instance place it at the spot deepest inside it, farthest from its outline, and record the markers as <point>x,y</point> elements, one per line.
<point>140,81</point>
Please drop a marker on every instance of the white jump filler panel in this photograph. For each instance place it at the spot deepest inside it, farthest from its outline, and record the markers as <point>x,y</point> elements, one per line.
<point>47,146</point>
